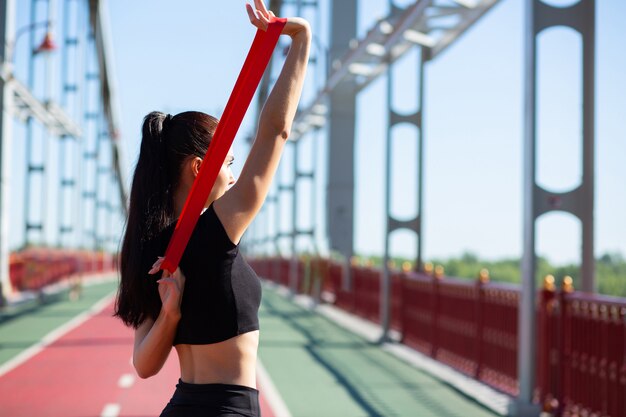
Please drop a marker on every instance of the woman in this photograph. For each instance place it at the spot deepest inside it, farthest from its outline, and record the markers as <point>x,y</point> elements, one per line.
<point>213,323</point>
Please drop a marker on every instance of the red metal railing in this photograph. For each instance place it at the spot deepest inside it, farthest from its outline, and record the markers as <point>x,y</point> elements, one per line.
<point>34,268</point>
<point>591,354</point>
<point>499,303</point>
<point>472,326</point>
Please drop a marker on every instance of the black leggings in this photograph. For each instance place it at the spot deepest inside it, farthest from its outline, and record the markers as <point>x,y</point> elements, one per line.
<point>212,400</point>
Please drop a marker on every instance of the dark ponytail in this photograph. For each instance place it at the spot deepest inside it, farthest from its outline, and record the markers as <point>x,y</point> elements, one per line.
<point>154,206</point>
<point>166,142</point>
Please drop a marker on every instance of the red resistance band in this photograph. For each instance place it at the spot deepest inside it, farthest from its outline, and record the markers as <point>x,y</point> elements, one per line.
<point>238,102</point>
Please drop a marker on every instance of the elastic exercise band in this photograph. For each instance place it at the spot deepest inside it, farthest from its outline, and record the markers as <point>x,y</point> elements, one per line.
<point>238,102</point>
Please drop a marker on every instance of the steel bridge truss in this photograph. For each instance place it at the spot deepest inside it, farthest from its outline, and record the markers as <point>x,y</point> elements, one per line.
<point>82,113</point>
<point>432,26</point>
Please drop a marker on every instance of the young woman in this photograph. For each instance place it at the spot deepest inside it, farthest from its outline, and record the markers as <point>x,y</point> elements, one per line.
<point>208,308</point>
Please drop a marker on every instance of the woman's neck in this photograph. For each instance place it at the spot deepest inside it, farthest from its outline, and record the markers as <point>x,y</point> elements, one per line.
<point>180,197</point>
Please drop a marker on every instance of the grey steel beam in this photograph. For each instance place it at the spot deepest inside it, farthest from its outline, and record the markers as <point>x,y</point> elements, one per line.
<point>70,88</point>
<point>537,201</point>
<point>31,167</point>
<point>424,56</point>
<point>293,264</point>
<point>264,86</point>
<point>99,169</point>
<point>388,40</point>
<point>298,176</point>
<point>291,188</point>
<point>7,20</point>
<point>48,113</point>
<point>26,105</point>
<point>392,224</point>
<point>526,320</point>
<point>100,24</point>
<point>262,94</point>
<point>89,160</point>
<point>341,131</point>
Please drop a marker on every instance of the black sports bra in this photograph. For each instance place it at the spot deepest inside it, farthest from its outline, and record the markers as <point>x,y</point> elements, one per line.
<point>222,293</point>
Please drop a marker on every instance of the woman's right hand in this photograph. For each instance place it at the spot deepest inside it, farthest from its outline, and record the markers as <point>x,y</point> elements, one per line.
<point>171,287</point>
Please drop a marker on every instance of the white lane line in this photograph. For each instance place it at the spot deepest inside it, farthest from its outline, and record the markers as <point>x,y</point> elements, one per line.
<point>126,381</point>
<point>110,410</point>
<point>56,334</point>
<point>270,392</point>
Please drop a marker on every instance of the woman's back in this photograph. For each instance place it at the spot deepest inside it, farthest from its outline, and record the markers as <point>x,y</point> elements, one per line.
<point>222,292</point>
<point>217,335</point>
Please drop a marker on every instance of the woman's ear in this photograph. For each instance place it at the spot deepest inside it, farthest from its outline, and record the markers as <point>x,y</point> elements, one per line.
<point>195,166</point>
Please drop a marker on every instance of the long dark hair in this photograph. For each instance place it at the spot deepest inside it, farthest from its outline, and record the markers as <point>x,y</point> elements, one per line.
<point>166,142</point>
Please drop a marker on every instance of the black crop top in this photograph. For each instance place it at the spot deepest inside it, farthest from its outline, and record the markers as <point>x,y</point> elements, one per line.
<point>222,293</point>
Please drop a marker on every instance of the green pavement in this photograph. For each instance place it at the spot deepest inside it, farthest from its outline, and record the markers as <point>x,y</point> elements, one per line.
<point>320,369</point>
<point>25,325</point>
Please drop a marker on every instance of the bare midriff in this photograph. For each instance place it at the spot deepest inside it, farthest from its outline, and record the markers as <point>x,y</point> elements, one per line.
<point>232,361</point>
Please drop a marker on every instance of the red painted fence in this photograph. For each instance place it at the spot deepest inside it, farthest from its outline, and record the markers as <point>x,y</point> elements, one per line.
<point>34,268</point>
<point>472,326</point>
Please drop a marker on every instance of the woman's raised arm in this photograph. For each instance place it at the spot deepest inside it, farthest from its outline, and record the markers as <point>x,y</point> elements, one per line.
<point>238,207</point>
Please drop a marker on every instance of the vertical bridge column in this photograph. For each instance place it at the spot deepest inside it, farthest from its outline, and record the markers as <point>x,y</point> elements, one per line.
<point>392,224</point>
<point>7,20</point>
<point>298,176</point>
<point>340,203</point>
<point>537,201</point>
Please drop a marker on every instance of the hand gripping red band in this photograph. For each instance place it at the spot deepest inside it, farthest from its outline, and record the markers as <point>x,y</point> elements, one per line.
<point>238,102</point>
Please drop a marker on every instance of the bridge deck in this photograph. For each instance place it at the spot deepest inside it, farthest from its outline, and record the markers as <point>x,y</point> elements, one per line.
<point>318,368</point>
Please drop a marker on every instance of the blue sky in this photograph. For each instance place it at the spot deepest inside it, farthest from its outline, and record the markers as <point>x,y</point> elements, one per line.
<point>187,56</point>
<point>473,125</point>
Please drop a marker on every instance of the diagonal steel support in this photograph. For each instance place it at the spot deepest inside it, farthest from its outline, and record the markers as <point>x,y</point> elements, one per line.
<point>49,114</point>
<point>388,40</point>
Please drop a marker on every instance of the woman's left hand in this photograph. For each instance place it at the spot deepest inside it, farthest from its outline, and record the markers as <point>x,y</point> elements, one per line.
<point>261,18</point>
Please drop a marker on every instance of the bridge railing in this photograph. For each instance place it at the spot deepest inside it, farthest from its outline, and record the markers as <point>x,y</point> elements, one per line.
<point>34,268</point>
<point>472,327</point>
<point>590,352</point>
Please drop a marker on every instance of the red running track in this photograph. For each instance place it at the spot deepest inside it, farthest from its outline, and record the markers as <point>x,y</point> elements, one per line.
<point>78,376</point>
